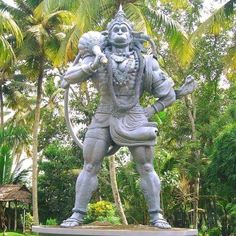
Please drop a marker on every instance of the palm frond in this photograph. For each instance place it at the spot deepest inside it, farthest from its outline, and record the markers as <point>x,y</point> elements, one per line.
<point>230,63</point>
<point>46,7</point>
<point>5,163</point>
<point>7,54</point>
<point>20,175</point>
<point>13,11</point>
<point>177,38</point>
<point>24,6</point>
<point>230,58</point>
<point>217,22</point>
<point>177,4</point>
<point>63,17</point>
<point>8,28</point>
<point>68,47</point>
<point>135,14</point>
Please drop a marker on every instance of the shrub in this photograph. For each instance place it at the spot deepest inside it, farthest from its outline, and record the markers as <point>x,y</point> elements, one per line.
<point>28,222</point>
<point>102,211</point>
<point>51,221</point>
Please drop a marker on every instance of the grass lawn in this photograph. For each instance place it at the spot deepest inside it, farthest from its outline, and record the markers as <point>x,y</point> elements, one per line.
<point>15,234</point>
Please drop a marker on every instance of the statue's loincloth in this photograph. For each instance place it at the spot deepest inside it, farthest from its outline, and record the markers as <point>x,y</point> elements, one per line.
<point>129,129</point>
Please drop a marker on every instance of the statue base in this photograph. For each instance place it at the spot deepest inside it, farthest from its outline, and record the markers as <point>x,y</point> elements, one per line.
<point>120,230</point>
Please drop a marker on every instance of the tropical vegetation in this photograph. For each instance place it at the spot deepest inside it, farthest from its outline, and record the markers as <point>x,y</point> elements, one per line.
<point>196,150</point>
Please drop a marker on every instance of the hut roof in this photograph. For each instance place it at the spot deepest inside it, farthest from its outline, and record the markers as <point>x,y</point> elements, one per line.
<point>13,192</point>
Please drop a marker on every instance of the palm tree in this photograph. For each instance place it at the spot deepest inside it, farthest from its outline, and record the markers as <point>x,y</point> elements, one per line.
<point>10,34</point>
<point>145,15</point>
<point>10,137</point>
<point>221,20</point>
<point>10,38</point>
<point>39,37</point>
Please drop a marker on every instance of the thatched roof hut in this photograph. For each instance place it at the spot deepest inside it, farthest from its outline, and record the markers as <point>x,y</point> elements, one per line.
<point>13,192</point>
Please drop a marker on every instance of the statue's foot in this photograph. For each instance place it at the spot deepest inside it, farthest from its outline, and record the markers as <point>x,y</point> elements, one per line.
<point>161,223</point>
<point>70,222</point>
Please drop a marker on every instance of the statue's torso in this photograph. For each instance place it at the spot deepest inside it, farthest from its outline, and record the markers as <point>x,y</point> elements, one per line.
<point>124,70</point>
<point>124,81</point>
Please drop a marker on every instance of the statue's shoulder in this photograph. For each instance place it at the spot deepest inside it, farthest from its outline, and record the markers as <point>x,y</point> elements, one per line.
<point>154,76</point>
<point>151,62</point>
<point>151,65</point>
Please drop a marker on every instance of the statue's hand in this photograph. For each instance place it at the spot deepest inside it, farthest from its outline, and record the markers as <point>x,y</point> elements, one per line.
<point>188,87</point>
<point>100,58</point>
<point>64,84</point>
<point>149,111</point>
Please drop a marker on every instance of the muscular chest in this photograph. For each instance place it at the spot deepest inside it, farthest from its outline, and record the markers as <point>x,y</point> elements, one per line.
<point>124,71</point>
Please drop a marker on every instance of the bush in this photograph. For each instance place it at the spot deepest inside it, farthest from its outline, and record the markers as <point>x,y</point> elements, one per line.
<point>51,221</point>
<point>102,211</point>
<point>215,231</point>
<point>28,222</point>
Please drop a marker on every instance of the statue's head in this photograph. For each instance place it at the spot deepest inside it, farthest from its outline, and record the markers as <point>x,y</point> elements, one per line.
<point>119,30</point>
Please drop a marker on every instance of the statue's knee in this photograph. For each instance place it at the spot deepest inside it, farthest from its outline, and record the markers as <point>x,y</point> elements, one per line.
<point>147,168</point>
<point>89,167</point>
<point>92,168</point>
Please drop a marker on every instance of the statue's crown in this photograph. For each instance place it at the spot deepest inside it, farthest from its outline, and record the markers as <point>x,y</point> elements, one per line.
<point>120,18</point>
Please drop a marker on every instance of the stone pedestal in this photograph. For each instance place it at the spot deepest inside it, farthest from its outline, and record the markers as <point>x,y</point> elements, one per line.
<point>112,231</point>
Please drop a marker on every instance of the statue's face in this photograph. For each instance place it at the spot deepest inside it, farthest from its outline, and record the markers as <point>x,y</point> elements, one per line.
<point>120,34</point>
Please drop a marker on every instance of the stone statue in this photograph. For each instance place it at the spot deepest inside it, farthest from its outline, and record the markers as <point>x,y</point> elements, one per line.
<point>115,62</point>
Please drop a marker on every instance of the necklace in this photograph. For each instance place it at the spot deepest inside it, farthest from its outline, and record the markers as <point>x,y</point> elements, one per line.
<point>122,77</point>
<point>140,64</point>
<point>118,58</point>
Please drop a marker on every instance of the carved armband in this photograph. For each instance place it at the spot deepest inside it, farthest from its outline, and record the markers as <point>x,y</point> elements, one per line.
<point>159,106</point>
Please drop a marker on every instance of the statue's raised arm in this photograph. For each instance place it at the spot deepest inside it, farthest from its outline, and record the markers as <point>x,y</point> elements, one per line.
<point>89,59</point>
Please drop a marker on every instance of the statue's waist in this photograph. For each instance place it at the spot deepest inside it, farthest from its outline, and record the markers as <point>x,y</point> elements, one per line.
<point>111,109</point>
<point>120,93</point>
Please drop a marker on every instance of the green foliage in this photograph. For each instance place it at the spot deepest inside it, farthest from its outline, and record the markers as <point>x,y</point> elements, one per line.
<point>223,166</point>
<point>53,28</point>
<point>128,182</point>
<point>17,234</point>
<point>28,222</point>
<point>102,211</point>
<point>51,221</point>
<point>220,20</point>
<point>8,28</point>
<point>56,182</point>
<point>10,137</point>
<point>215,231</point>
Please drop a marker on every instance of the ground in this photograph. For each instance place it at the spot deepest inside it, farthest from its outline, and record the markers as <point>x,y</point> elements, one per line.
<point>15,234</point>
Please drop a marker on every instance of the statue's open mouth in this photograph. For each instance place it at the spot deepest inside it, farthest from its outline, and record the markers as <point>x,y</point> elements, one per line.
<point>120,39</point>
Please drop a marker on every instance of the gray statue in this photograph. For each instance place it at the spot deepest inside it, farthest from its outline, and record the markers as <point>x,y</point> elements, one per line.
<point>115,62</point>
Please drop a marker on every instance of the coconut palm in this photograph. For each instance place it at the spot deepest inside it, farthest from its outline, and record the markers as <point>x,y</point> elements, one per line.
<point>10,137</point>
<point>145,15</point>
<point>221,20</point>
<point>10,38</point>
<point>39,37</point>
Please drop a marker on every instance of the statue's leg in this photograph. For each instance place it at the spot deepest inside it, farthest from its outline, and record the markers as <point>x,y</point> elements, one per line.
<point>150,184</point>
<point>93,152</point>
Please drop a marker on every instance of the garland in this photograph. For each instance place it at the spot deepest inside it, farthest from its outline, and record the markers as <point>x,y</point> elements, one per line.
<point>120,107</point>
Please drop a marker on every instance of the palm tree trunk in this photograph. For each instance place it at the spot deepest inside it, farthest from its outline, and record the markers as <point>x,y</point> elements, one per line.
<point>35,147</point>
<point>1,106</point>
<point>191,107</point>
<point>115,190</point>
